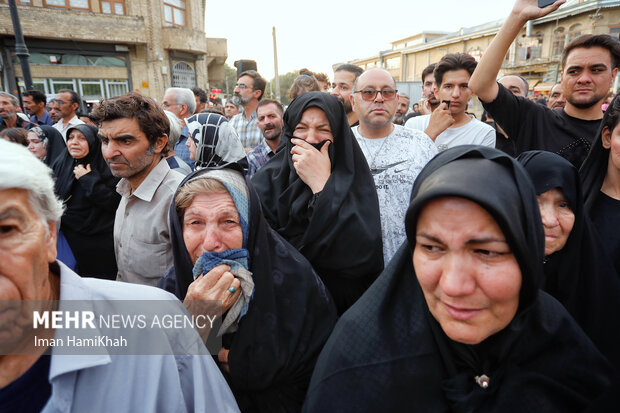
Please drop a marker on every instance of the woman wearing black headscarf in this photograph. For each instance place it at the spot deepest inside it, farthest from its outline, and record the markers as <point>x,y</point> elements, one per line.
<point>46,143</point>
<point>600,176</point>
<point>578,273</point>
<point>88,188</point>
<point>463,326</point>
<point>277,312</point>
<point>323,199</point>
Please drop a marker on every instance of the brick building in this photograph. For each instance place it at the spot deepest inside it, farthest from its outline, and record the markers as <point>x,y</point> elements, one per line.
<point>104,48</point>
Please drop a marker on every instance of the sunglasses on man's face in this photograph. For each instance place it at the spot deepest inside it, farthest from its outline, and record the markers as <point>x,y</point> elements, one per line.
<point>371,94</point>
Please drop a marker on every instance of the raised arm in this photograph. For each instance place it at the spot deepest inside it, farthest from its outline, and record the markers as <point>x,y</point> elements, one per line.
<point>483,81</point>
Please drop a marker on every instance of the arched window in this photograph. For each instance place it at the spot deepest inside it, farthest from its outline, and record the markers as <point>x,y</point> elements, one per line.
<point>183,75</point>
<point>559,37</point>
<point>573,32</point>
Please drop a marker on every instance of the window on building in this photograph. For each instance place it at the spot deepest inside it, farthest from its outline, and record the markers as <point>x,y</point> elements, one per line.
<point>393,63</point>
<point>91,89</point>
<point>174,12</point>
<point>116,7</point>
<point>20,2</point>
<point>615,32</point>
<point>183,75</point>
<point>573,32</point>
<point>116,87</point>
<point>559,38</point>
<point>58,84</point>
<point>68,4</point>
<point>88,89</point>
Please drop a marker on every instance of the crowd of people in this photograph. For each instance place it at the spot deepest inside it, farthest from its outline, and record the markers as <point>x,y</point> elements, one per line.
<point>366,252</point>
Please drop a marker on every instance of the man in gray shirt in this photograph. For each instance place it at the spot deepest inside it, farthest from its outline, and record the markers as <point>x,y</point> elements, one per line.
<point>133,131</point>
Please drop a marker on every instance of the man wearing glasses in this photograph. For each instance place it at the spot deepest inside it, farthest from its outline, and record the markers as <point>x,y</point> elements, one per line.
<point>249,90</point>
<point>68,102</point>
<point>394,154</point>
<point>449,125</point>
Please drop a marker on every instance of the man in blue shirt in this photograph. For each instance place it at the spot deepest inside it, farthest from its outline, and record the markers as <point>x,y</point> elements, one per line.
<point>100,378</point>
<point>34,104</point>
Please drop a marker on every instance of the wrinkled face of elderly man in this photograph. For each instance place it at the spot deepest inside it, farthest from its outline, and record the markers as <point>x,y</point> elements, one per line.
<point>27,238</point>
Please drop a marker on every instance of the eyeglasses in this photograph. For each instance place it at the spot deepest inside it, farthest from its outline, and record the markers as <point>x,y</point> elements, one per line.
<point>242,86</point>
<point>371,94</point>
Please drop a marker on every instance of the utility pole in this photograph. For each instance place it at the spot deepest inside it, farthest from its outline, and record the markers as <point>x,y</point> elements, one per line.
<point>20,46</point>
<point>275,64</point>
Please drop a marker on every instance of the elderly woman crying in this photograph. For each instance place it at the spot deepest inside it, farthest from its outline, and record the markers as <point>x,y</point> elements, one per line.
<point>276,313</point>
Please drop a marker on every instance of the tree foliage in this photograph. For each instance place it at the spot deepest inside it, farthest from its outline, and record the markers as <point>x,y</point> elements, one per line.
<point>286,81</point>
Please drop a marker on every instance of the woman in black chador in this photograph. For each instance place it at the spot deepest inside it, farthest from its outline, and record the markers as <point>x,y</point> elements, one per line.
<point>578,272</point>
<point>457,322</point>
<point>276,312</point>
<point>318,193</point>
<point>88,188</point>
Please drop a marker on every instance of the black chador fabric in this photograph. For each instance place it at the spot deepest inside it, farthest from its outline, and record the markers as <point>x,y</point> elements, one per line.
<point>289,318</point>
<point>91,202</point>
<point>340,231</point>
<point>594,168</point>
<point>580,276</point>
<point>388,353</point>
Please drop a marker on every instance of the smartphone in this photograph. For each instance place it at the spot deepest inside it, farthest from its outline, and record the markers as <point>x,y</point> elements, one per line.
<point>545,3</point>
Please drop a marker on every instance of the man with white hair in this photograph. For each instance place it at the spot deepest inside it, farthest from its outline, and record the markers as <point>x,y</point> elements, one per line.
<point>182,103</point>
<point>179,380</point>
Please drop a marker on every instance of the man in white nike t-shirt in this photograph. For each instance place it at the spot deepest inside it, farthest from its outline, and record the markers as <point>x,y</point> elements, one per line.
<point>395,155</point>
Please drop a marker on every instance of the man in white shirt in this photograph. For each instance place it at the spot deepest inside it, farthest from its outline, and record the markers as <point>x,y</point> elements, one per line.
<point>134,134</point>
<point>449,125</point>
<point>68,103</point>
<point>396,155</point>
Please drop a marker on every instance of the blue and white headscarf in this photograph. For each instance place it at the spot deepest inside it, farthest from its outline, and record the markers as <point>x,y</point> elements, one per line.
<point>236,259</point>
<point>217,142</point>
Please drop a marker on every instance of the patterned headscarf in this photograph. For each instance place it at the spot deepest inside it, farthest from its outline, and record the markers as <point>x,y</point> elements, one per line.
<point>217,142</point>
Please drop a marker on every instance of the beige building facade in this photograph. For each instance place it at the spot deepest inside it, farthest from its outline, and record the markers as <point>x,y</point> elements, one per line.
<point>535,54</point>
<point>104,48</point>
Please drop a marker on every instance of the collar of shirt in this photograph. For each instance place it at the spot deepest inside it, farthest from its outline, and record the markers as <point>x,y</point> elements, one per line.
<point>72,287</point>
<point>240,118</point>
<point>149,186</point>
<point>45,119</point>
<point>184,132</point>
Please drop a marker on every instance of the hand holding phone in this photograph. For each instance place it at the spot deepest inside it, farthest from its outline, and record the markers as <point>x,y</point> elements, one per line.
<point>545,3</point>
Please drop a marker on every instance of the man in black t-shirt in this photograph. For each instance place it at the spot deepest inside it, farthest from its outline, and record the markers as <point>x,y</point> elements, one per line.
<point>590,64</point>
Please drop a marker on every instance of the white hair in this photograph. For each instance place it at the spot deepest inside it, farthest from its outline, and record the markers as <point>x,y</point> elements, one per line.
<point>183,96</point>
<point>20,169</point>
<point>175,128</point>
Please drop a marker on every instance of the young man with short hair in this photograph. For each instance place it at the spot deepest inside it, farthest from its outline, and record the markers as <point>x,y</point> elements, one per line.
<point>589,67</point>
<point>34,104</point>
<point>134,134</point>
<point>342,87</point>
<point>449,125</point>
